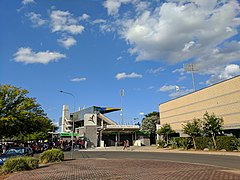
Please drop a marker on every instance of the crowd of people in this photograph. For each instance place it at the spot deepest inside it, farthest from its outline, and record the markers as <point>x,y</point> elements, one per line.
<point>40,146</point>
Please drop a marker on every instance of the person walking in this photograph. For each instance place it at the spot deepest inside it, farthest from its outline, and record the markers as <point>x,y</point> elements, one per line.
<point>124,144</point>
<point>127,144</point>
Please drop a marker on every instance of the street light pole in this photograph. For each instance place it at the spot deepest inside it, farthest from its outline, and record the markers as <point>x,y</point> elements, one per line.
<point>74,102</point>
<point>122,94</point>
<point>191,68</point>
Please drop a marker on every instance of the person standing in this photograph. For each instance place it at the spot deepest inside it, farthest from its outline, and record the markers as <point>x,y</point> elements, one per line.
<point>85,145</point>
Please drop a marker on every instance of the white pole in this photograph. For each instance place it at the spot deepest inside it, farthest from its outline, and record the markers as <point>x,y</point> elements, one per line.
<point>193,81</point>
<point>74,102</point>
<point>122,94</point>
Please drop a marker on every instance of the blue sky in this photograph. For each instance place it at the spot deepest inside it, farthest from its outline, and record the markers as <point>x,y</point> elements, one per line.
<point>93,49</point>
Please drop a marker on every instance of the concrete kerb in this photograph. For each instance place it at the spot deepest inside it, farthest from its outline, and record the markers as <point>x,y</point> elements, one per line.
<point>162,150</point>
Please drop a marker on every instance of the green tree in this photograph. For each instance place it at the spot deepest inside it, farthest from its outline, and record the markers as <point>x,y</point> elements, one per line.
<point>20,115</point>
<point>193,129</point>
<point>149,122</point>
<point>165,130</point>
<point>212,125</point>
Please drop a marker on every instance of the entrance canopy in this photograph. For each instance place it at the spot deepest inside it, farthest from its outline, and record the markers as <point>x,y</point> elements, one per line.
<point>104,110</point>
<point>121,128</point>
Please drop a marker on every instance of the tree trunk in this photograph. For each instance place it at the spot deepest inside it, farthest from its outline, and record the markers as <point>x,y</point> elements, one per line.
<point>194,142</point>
<point>214,141</point>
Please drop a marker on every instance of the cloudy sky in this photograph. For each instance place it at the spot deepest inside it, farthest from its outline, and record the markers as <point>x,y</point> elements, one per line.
<point>95,48</point>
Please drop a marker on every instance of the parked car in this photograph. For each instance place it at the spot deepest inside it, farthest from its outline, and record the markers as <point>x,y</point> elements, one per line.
<point>15,151</point>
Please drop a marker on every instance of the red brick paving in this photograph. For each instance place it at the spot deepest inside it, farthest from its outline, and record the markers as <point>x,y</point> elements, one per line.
<point>104,169</point>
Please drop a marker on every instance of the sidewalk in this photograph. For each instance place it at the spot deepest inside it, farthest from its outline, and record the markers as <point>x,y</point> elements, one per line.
<point>162,150</point>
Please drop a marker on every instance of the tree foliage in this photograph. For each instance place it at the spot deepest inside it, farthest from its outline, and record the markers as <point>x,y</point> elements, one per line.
<point>165,130</point>
<point>150,121</point>
<point>212,125</point>
<point>20,115</point>
<point>193,129</point>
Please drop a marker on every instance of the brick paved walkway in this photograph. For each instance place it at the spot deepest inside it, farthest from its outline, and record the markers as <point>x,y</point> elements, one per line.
<point>125,169</point>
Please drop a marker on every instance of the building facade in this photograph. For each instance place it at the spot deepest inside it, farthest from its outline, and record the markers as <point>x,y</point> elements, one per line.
<point>92,123</point>
<point>222,99</point>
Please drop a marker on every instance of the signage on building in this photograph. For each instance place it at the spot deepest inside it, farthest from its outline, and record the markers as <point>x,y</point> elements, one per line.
<point>90,119</point>
<point>68,134</point>
<point>123,126</point>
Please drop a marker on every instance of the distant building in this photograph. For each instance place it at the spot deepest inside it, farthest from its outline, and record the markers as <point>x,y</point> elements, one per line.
<point>92,124</point>
<point>222,99</point>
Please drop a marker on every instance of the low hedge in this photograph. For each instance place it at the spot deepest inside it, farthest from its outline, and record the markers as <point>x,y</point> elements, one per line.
<point>20,164</point>
<point>204,142</point>
<point>53,155</point>
<point>229,143</point>
<point>181,142</point>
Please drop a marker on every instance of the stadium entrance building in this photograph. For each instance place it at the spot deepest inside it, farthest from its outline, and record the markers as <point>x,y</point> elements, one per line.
<point>92,124</point>
<point>222,99</point>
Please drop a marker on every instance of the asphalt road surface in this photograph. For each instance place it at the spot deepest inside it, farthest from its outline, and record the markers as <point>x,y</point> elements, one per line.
<point>232,162</point>
<point>121,165</point>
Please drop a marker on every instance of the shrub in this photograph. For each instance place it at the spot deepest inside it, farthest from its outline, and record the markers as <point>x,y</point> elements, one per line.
<point>173,144</point>
<point>33,163</point>
<point>228,143</point>
<point>53,155</point>
<point>161,143</point>
<point>186,142</point>
<point>20,164</point>
<point>204,142</point>
<point>178,141</point>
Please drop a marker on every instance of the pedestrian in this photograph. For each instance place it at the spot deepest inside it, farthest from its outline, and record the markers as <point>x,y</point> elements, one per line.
<point>85,144</point>
<point>124,144</point>
<point>4,148</point>
<point>127,143</point>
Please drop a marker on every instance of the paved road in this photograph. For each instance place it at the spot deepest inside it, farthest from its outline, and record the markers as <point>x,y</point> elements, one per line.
<point>232,162</point>
<point>108,165</point>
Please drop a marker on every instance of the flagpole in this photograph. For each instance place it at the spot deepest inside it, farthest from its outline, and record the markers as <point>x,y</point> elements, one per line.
<point>122,94</point>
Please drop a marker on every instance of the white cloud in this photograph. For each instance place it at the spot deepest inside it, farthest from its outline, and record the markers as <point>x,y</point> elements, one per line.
<point>151,87</point>
<point>78,79</point>
<point>141,5</point>
<point>36,19</point>
<point>180,93</point>
<point>166,88</point>
<point>97,21</point>
<point>181,78</point>
<point>124,75</point>
<point>229,71</point>
<point>84,17</point>
<point>67,42</point>
<point>155,71</point>
<point>175,32</point>
<point>107,28</point>
<point>188,46</point>
<point>112,6</point>
<point>119,58</point>
<point>219,57</point>
<point>27,56</point>
<point>180,70</point>
<point>63,21</point>
<point>175,91</point>
<point>24,2</point>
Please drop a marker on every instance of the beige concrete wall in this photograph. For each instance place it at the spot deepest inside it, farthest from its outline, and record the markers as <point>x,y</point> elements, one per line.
<point>223,99</point>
